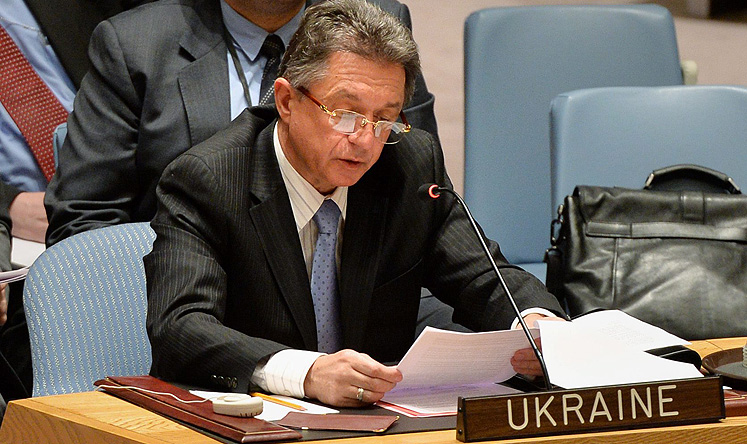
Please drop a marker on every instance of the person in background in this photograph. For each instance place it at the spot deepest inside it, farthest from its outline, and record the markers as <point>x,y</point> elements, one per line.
<point>43,41</point>
<point>291,246</point>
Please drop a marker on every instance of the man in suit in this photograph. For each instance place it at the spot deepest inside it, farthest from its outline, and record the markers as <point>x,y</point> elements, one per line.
<point>163,81</point>
<point>291,247</point>
<point>53,36</point>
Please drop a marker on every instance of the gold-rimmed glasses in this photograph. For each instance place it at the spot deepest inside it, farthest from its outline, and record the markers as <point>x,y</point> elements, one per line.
<point>349,122</point>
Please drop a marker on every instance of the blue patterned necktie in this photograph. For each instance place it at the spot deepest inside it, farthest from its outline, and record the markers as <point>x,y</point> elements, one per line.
<point>324,279</point>
<point>272,49</point>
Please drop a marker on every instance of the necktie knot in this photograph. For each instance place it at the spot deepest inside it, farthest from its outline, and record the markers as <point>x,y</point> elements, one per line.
<point>327,217</point>
<point>272,47</point>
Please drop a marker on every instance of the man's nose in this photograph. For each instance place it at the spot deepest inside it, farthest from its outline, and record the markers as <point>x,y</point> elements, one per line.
<point>365,134</point>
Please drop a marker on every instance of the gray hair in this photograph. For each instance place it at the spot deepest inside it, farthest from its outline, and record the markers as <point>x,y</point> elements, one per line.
<point>353,26</point>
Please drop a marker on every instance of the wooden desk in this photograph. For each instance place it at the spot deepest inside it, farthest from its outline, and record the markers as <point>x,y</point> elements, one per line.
<point>95,417</point>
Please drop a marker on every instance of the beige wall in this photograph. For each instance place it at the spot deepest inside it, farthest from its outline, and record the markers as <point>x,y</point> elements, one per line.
<point>718,47</point>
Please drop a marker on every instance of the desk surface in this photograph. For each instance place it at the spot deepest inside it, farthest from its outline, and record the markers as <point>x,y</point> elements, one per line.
<point>93,417</point>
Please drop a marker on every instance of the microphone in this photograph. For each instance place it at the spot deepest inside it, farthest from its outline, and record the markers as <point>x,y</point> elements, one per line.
<point>433,191</point>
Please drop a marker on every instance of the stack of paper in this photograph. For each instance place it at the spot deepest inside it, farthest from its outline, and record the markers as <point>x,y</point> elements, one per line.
<point>13,275</point>
<point>606,348</point>
<point>602,348</point>
<point>443,365</point>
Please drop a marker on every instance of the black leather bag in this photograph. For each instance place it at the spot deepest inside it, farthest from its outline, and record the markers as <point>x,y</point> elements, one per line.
<point>673,254</point>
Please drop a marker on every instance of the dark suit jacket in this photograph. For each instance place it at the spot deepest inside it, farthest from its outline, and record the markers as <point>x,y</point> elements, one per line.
<point>158,86</point>
<point>227,284</point>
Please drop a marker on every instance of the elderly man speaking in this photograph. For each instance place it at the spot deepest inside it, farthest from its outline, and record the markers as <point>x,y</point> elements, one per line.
<point>292,246</point>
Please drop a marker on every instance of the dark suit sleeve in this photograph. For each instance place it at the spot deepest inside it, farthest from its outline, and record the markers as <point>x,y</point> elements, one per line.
<point>97,178</point>
<point>7,194</point>
<point>187,285</point>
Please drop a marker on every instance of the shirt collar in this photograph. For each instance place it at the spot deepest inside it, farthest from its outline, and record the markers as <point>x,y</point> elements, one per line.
<point>249,36</point>
<point>304,198</point>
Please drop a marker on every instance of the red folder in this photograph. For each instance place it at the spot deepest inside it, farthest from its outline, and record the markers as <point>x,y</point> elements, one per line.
<point>735,402</point>
<point>200,415</point>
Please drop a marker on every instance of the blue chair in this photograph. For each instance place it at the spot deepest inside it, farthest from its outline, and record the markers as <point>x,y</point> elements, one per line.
<point>85,302</point>
<point>618,136</point>
<point>516,61</point>
<point>58,138</point>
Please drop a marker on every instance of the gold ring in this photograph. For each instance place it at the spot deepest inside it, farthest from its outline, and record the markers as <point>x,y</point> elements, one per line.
<point>359,396</point>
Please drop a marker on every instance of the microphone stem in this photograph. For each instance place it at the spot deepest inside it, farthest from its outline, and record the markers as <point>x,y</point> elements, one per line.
<point>523,324</point>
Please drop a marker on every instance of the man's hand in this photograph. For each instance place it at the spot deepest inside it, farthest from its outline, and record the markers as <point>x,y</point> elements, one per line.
<point>29,216</point>
<point>335,379</point>
<point>3,304</point>
<point>524,361</point>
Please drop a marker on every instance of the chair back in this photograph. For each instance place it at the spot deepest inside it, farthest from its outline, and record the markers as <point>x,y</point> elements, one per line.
<point>517,59</point>
<point>58,138</point>
<point>85,303</point>
<point>618,136</point>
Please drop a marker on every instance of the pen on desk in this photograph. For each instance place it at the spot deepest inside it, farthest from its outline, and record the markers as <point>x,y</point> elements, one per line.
<point>278,401</point>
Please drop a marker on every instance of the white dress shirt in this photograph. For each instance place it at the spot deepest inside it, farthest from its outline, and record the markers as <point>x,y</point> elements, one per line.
<point>285,371</point>
<point>248,39</point>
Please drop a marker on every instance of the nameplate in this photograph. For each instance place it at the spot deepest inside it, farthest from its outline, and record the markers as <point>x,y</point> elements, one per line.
<point>684,401</point>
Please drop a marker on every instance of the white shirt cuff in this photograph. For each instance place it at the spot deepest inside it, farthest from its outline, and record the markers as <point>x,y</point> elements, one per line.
<point>285,371</point>
<point>533,310</point>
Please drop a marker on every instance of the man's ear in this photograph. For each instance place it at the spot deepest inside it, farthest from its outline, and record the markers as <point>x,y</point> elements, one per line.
<point>283,97</point>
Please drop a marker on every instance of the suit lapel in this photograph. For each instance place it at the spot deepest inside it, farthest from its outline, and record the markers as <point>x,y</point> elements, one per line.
<point>276,228</point>
<point>204,82</point>
<point>361,248</point>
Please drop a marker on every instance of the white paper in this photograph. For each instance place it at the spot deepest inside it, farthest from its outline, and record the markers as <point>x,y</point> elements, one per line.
<point>438,401</point>
<point>625,328</point>
<point>441,357</point>
<point>24,252</point>
<point>577,357</point>
<point>13,275</point>
<point>272,411</point>
<point>442,365</point>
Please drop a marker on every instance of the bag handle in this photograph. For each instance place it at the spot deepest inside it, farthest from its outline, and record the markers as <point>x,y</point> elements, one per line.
<point>691,177</point>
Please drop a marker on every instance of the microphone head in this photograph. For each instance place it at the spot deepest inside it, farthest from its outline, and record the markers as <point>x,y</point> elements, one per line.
<point>429,191</point>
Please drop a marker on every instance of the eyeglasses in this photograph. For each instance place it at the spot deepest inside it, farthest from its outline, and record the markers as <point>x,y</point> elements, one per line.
<point>349,122</point>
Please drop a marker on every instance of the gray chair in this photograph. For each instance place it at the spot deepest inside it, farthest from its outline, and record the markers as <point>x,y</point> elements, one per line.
<point>58,138</point>
<point>85,302</point>
<point>517,60</point>
<point>618,136</point>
